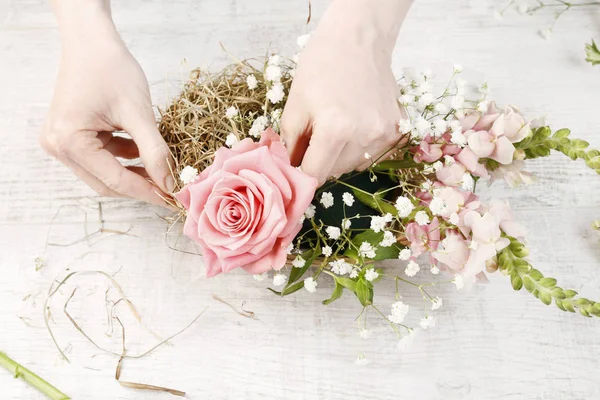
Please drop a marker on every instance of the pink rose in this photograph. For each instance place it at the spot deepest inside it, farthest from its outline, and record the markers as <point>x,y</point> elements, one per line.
<point>245,209</point>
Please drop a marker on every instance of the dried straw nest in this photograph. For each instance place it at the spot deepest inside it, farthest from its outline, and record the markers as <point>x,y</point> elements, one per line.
<point>196,124</point>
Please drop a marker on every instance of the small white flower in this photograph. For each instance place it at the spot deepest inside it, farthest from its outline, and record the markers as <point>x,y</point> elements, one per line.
<point>371,275</point>
<point>340,267</point>
<point>399,311</point>
<point>361,360</point>
<point>426,99</point>
<point>458,281</point>
<point>427,322</point>
<point>437,165</point>
<point>251,82</point>
<point>546,33</point>
<point>366,250</point>
<point>378,223</point>
<point>276,115</point>
<point>484,88</point>
<point>260,277</point>
<point>457,68</point>
<point>333,232</point>
<point>449,160</point>
<point>348,199</point>
<point>258,126</point>
<point>482,106</point>
<point>437,206</point>
<point>434,270</point>
<point>279,279</point>
<point>454,219</point>
<point>290,248</point>
<point>275,59</point>
<point>326,250</point>
<point>346,223</point>
<point>354,273</point>
<point>423,88</point>
<point>404,254</point>
<point>406,341</point>
<point>388,239</point>
<point>365,333</point>
<point>468,183</point>
<point>276,93</point>
<point>188,174</point>
<point>427,185</point>
<point>405,126</point>
<point>273,73</point>
<point>455,126</point>
<point>406,99</point>
<point>310,285</point>
<point>422,126</point>
<point>231,112</point>
<point>302,41</point>
<point>367,156</point>
<point>326,199</point>
<point>422,218</point>
<point>404,206</point>
<point>412,268</point>
<point>310,211</point>
<point>458,138</point>
<point>298,262</point>
<point>231,140</point>
<point>436,303</point>
<point>439,127</point>
<point>440,108</point>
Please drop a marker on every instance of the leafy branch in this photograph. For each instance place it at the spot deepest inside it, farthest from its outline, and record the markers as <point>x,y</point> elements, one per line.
<point>592,53</point>
<point>542,142</point>
<point>511,261</point>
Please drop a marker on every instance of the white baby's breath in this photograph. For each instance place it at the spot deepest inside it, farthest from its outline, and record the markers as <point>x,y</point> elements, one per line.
<point>404,206</point>
<point>412,268</point>
<point>371,274</point>
<point>275,59</point>
<point>436,303</point>
<point>326,199</point>
<point>333,232</point>
<point>279,279</point>
<point>399,311</point>
<point>457,68</point>
<point>348,199</point>
<point>404,254</point>
<point>273,73</point>
<point>366,250</point>
<point>231,140</point>
<point>310,285</point>
<point>427,322</point>
<point>458,281</point>
<point>298,262</point>
<point>260,277</point>
<point>346,223</point>
<point>405,126</point>
<point>434,270</point>
<point>327,251</point>
<point>276,93</point>
<point>468,183</point>
<point>406,341</point>
<point>310,211</point>
<point>421,218</point>
<point>188,174</point>
<point>252,82</point>
<point>258,126</point>
<point>388,239</point>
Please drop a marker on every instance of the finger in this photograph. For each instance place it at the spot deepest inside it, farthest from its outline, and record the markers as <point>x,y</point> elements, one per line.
<point>351,157</point>
<point>119,146</point>
<point>376,157</point>
<point>141,171</point>
<point>153,150</point>
<point>105,167</point>
<point>90,179</point>
<point>321,155</point>
<point>295,131</point>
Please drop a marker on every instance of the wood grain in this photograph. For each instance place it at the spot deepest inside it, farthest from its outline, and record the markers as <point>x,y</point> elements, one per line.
<point>490,343</point>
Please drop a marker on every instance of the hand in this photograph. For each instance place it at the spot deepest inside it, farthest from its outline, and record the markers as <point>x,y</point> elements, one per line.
<point>102,89</point>
<point>343,103</point>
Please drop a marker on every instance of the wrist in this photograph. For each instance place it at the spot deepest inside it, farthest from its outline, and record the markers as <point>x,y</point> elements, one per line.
<point>84,21</point>
<point>372,23</point>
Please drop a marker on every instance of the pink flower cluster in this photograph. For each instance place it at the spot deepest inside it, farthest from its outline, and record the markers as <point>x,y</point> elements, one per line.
<point>464,235</point>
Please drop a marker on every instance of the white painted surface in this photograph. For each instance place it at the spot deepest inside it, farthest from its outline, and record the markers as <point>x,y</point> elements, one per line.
<point>490,343</point>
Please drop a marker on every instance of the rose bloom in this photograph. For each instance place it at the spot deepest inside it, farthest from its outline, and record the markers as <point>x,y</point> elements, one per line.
<point>246,208</point>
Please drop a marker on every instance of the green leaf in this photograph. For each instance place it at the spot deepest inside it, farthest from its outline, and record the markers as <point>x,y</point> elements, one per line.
<point>374,238</point>
<point>545,298</point>
<point>562,133</point>
<point>579,144</point>
<point>529,284</point>
<point>363,293</point>
<point>592,53</point>
<point>517,282</point>
<point>558,293</point>
<point>375,201</point>
<point>337,293</point>
<point>570,293</point>
<point>395,164</point>
<point>293,288</point>
<point>296,273</point>
<point>535,275</point>
<point>548,282</point>
<point>569,306</point>
<point>347,283</point>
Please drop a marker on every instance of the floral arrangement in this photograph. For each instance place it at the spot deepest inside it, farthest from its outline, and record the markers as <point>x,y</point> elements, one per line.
<point>247,207</point>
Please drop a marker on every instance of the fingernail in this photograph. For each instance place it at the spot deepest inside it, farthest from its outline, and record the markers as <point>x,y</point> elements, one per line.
<point>170,183</point>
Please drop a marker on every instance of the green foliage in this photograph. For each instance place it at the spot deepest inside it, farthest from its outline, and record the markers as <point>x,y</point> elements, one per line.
<point>396,165</point>
<point>375,201</point>
<point>541,143</point>
<point>337,293</point>
<point>374,238</point>
<point>296,273</point>
<point>364,292</point>
<point>592,53</point>
<point>522,274</point>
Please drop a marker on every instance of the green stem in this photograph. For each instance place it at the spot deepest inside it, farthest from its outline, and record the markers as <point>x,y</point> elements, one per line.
<point>31,378</point>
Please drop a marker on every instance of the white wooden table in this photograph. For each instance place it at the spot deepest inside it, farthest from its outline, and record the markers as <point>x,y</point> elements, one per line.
<point>490,343</point>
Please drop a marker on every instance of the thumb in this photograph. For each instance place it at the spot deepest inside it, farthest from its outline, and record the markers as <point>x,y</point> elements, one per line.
<point>154,152</point>
<point>295,131</point>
